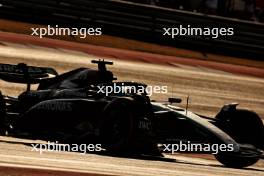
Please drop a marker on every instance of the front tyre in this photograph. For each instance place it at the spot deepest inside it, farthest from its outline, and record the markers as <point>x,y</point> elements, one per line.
<point>247,129</point>
<point>242,159</point>
<point>245,126</point>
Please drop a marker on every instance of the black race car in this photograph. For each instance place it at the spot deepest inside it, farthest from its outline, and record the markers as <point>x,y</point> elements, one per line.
<point>74,108</point>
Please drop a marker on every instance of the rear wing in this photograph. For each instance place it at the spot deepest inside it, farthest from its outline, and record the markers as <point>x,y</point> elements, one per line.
<point>24,74</point>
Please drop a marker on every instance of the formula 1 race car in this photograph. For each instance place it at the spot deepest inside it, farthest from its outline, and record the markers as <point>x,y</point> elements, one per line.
<point>74,108</point>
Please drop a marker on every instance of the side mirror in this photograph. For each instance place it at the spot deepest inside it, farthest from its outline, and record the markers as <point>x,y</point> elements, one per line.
<point>175,100</point>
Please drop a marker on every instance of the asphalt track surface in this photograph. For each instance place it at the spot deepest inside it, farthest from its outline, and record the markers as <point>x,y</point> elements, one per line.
<point>18,159</point>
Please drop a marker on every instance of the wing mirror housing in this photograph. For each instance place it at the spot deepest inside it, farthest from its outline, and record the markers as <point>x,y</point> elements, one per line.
<point>174,100</point>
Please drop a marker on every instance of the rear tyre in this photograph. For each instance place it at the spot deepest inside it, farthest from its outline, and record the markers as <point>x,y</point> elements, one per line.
<point>117,130</point>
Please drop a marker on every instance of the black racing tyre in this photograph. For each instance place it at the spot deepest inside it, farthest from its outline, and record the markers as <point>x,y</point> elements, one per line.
<point>117,128</point>
<point>245,126</point>
<point>236,160</point>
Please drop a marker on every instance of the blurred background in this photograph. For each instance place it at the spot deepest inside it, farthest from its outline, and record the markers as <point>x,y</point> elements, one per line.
<point>143,20</point>
<point>242,9</point>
